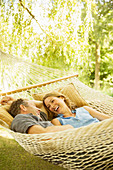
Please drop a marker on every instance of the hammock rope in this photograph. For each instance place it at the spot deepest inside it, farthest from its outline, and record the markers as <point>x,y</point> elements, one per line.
<point>86,147</point>
<point>18,73</point>
<point>38,85</point>
<point>89,147</point>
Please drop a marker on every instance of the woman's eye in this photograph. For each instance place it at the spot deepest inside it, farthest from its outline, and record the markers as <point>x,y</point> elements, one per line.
<point>52,101</point>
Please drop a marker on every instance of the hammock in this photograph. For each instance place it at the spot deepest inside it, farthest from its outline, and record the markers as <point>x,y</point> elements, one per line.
<point>89,147</point>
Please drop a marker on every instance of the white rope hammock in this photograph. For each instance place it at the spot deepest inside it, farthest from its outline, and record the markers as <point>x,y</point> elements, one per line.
<point>18,73</point>
<point>89,147</point>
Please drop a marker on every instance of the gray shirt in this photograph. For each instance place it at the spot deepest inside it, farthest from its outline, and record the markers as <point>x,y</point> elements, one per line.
<point>22,122</point>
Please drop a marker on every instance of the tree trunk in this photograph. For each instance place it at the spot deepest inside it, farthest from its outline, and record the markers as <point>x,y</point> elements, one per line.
<point>97,67</point>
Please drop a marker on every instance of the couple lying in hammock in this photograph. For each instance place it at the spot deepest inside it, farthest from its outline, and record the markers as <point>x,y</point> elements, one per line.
<point>28,118</point>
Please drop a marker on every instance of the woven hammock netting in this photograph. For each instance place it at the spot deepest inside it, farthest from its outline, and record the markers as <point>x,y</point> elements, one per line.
<point>85,148</point>
<point>18,73</point>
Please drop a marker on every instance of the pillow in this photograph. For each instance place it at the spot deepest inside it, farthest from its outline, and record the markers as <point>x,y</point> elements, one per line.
<point>70,91</point>
<point>4,115</point>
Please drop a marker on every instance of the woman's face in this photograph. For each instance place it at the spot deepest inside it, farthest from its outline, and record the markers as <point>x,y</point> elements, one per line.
<point>56,104</point>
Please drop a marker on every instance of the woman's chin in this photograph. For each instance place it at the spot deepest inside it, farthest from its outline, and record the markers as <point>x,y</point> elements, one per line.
<point>56,114</point>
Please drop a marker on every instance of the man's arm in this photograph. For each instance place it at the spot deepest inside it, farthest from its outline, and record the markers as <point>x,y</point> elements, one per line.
<point>37,129</point>
<point>25,123</point>
<point>6,100</point>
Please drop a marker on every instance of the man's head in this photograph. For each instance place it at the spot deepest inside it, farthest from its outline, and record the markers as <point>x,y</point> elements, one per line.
<point>23,106</point>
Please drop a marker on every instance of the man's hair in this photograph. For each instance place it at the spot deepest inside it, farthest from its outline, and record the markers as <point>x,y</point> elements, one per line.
<point>15,106</point>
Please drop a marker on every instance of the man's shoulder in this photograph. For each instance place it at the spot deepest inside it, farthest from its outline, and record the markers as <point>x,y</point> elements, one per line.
<point>23,116</point>
<point>43,116</point>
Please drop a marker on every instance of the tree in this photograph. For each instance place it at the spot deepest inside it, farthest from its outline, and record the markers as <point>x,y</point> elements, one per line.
<point>102,12</point>
<point>67,35</point>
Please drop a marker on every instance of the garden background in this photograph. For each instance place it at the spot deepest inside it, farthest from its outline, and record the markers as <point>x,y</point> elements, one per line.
<point>71,35</point>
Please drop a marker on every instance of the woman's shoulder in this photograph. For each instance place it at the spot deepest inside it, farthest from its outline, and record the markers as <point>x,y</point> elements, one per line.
<point>82,109</point>
<point>55,121</point>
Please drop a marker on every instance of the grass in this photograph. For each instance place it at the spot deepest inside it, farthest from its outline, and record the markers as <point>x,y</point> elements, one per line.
<point>14,157</point>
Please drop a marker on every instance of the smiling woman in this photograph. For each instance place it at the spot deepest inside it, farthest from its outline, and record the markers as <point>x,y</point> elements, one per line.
<point>65,114</point>
<point>57,105</point>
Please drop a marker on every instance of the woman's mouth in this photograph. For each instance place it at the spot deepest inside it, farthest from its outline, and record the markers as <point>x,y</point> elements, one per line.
<point>56,109</point>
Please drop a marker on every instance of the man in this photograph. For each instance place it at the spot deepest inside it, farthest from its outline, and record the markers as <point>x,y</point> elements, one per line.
<point>30,119</point>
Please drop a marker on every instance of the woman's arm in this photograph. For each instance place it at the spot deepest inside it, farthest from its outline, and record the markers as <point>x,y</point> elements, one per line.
<point>56,122</point>
<point>96,114</point>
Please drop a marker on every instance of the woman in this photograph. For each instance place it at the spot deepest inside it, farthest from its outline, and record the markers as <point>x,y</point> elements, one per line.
<point>65,113</point>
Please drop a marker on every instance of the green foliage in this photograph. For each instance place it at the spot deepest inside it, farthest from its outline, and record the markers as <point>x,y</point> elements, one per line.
<point>102,33</point>
<point>63,35</point>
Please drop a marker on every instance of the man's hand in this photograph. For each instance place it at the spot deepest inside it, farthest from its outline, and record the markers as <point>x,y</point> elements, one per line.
<point>7,100</point>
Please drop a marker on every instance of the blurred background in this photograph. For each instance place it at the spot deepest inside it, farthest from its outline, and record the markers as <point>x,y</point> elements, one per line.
<point>46,39</point>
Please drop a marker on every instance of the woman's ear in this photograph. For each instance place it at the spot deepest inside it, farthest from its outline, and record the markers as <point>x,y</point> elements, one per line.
<point>23,108</point>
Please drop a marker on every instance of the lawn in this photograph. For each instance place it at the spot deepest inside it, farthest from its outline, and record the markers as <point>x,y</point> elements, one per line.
<point>14,157</point>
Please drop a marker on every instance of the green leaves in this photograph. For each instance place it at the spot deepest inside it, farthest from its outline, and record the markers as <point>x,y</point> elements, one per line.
<point>60,34</point>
